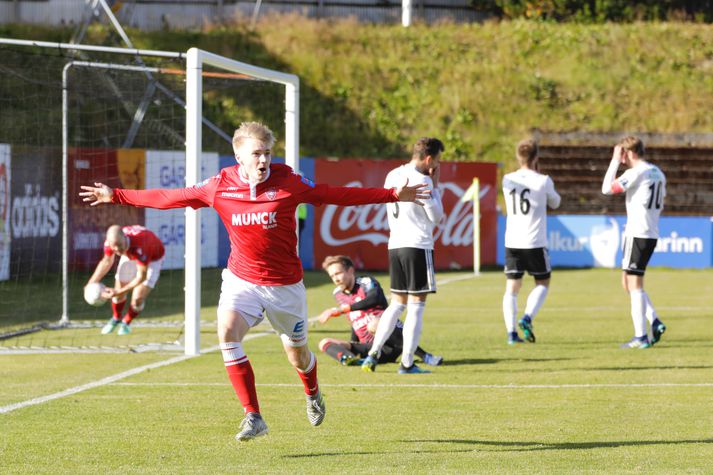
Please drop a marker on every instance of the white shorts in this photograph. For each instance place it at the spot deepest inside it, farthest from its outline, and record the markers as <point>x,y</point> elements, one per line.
<point>284,305</point>
<point>126,271</point>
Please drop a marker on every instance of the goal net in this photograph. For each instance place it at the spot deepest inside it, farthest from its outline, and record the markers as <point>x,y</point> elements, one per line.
<point>72,115</point>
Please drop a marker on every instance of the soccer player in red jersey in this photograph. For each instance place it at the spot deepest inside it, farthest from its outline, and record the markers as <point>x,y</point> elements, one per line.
<point>138,271</point>
<point>256,201</point>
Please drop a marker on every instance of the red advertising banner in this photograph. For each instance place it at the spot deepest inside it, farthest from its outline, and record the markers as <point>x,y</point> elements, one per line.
<point>88,224</point>
<point>362,232</point>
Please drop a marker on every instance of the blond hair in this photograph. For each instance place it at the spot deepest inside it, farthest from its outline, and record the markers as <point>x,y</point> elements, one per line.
<point>526,151</point>
<point>253,130</point>
<point>633,144</point>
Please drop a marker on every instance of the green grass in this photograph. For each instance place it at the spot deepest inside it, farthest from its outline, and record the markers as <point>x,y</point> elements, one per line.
<point>371,90</point>
<point>567,404</point>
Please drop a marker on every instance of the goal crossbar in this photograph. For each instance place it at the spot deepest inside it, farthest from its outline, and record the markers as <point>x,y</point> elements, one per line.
<point>195,60</point>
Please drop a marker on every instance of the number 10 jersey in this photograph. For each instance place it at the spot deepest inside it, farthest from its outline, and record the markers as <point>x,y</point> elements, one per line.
<point>645,186</point>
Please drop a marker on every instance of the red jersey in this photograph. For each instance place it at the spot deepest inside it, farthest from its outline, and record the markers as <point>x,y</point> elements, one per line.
<point>144,246</point>
<point>260,220</point>
<point>367,302</point>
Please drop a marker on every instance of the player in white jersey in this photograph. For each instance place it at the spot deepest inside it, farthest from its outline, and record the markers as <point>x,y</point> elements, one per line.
<point>527,194</point>
<point>645,187</point>
<point>410,254</point>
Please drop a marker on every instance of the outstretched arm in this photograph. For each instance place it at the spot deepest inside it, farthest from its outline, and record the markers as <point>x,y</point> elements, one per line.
<point>352,196</point>
<point>195,197</point>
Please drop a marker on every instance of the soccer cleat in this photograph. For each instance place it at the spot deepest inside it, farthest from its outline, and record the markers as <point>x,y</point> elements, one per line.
<point>109,327</point>
<point>432,360</point>
<point>316,409</point>
<point>656,332</point>
<point>637,342</point>
<point>348,360</point>
<point>369,364</point>
<point>124,329</point>
<point>514,339</point>
<point>252,426</point>
<point>412,370</point>
<point>525,325</point>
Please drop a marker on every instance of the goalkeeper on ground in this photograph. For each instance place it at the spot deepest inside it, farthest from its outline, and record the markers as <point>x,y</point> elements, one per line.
<point>362,300</point>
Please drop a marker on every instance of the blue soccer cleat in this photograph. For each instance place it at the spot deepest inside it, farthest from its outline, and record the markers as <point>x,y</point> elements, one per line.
<point>525,325</point>
<point>369,364</point>
<point>640,342</point>
<point>412,370</point>
<point>432,360</point>
<point>657,329</point>
<point>514,338</point>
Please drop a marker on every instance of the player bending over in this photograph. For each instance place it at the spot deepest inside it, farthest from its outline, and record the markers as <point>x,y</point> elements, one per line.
<point>645,188</point>
<point>363,301</point>
<point>256,201</point>
<point>138,271</point>
<point>527,194</point>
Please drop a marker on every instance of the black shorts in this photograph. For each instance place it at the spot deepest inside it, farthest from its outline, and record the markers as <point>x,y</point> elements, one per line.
<point>535,261</point>
<point>411,270</point>
<point>389,352</point>
<point>637,253</point>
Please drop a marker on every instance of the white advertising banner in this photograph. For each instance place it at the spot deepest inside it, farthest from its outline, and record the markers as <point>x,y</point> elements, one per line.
<point>5,211</point>
<point>167,169</point>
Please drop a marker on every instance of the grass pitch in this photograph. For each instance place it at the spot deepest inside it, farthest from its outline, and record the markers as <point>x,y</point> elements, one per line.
<point>571,403</point>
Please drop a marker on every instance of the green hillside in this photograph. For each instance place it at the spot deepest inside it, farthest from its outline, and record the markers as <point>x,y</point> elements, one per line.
<point>370,90</point>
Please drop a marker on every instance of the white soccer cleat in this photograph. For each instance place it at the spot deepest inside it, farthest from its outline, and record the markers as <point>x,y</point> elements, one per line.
<point>316,409</point>
<point>109,327</point>
<point>252,426</point>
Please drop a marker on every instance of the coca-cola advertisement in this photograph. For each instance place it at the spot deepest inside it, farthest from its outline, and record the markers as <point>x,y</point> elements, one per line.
<point>362,232</point>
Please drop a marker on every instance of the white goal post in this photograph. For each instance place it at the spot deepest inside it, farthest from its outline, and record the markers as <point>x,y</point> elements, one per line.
<point>195,61</point>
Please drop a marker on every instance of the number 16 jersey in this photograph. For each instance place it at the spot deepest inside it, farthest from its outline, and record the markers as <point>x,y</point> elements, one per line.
<point>527,195</point>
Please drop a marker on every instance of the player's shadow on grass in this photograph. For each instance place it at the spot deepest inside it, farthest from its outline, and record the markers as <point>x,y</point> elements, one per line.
<point>481,361</point>
<point>527,446</point>
<point>515,446</point>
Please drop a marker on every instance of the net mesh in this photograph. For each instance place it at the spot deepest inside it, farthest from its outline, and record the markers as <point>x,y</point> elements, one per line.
<point>125,128</point>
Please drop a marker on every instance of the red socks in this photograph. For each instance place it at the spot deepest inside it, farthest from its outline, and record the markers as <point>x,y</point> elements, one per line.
<point>130,314</point>
<point>240,373</point>
<point>309,377</point>
<point>117,308</point>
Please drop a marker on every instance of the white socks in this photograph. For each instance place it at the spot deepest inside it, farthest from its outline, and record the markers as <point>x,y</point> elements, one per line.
<point>386,326</point>
<point>638,311</point>
<point>412,331</point>
<point>651,314</point>
<point>510,311</point>
<point>535,300</point>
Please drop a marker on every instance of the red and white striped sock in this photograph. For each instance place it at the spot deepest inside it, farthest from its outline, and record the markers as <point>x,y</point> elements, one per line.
<point>240,373</point>
<point>309,376</point>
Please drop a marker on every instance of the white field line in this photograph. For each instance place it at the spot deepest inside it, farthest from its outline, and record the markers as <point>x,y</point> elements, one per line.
<point>125,374</point>
<point>447,386</point>
<point>110,379</point>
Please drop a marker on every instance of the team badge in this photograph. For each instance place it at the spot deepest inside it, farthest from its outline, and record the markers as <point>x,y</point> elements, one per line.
<point>271,193</point>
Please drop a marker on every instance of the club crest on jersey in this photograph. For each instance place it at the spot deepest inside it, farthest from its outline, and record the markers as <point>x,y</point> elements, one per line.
<point>271,193</point>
